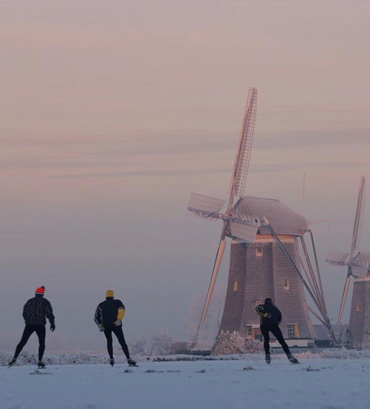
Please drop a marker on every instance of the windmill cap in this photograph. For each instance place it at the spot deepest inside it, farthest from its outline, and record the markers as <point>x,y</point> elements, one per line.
<point>109,294</point>
<point>40,290</point>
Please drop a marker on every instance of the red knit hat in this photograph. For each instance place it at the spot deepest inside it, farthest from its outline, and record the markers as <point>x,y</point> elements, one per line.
<point>40,290</point>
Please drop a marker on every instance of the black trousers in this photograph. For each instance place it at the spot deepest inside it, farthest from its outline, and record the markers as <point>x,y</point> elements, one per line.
<point>121,339</point>
<point>28,331</point>
<point>276,331</point>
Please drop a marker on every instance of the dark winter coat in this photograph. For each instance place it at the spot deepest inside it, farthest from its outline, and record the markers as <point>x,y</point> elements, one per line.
<point>269,314</point>
<point>107,311</point>
<point>36,310</point>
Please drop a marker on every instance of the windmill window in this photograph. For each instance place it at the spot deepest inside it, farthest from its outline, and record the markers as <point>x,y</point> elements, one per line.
<point>293,331</point>
<point>358,307</point>
<point>249,334</point>
<point>236,285</point>
<point>286,284</point>
<point>259,251</point>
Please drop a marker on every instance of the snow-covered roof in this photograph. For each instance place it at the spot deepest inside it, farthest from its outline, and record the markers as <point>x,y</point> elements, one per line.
<point>282,219</point>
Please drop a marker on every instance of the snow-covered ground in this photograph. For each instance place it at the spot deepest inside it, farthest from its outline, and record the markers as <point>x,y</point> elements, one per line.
<point>218,384</point>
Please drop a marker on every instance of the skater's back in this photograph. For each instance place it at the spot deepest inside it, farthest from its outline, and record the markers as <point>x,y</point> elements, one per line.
<point>269,314</point>
<point>107,311</point>
<point>36,310</point>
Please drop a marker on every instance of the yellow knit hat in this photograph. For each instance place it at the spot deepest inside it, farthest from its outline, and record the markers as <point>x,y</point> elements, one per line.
<point>109,294</point>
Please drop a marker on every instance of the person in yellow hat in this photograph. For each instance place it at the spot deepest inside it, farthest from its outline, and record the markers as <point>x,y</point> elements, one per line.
<point>108,317</point>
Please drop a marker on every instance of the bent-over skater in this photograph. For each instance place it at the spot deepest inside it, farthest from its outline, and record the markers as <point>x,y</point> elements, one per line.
<point>270,318</point>
<point>108,317</point>
<point>35,312</point>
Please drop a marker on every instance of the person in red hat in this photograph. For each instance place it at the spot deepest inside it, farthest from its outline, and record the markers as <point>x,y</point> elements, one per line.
<point>35,312</point>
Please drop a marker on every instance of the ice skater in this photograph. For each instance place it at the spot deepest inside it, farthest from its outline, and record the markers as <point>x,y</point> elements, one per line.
<point>35,312</point>
<point>270,319</point>
<point>108,317</point>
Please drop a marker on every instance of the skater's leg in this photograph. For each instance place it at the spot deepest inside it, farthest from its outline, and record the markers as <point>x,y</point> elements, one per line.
<point>266,339</point>
<point>41,333</point>
<point>28,330</point>
<point>279,336</point>
<point>121,339</point>
<point>108,335</point>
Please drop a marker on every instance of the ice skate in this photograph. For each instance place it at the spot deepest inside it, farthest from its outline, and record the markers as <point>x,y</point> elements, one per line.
<point>11,363</point>
<point>111,362</point>
<point>292,359</point>
<point>131,362</point>
<point>40,365</point>
<point>268,359</point>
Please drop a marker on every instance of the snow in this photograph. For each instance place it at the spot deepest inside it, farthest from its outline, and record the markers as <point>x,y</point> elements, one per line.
<point>217,384</point>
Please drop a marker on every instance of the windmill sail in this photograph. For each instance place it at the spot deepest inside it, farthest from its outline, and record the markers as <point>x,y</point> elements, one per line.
<point>243,231</point>
<point>363,259</point>
<point>241,165</point>
<point>207,207</point>
<point>359,217</point>
<point>216,267</point>
<point>338,258</point>
<point>357,266</point>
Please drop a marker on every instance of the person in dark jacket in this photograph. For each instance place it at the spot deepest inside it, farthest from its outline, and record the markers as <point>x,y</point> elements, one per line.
<point>35,312</point>
<point>108,317</point>
<point>270,319</point>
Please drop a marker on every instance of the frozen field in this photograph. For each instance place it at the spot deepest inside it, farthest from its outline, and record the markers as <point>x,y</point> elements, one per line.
<point>242,383</point>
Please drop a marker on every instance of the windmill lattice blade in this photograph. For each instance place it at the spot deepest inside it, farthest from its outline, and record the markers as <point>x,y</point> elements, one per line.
<point>246,232</point>
<point>359,216</point>
<point>344,297</point>
<point>363,259</point>
<point>243,155</point>
<point>359,272</point>
<point>205,203</point>
<point>216,267</point>
<point>337,258</point>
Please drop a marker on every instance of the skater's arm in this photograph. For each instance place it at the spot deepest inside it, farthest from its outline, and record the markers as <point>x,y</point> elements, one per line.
<point>121,311</point>
<point>260,310</point>
<point>98,318</point>
<point>26,311</point>
<point>49,312</point>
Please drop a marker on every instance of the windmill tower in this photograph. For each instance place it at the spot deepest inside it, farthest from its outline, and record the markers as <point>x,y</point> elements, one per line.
<point>357,264</point>
<point>260,269</point>
<point>244,217</point>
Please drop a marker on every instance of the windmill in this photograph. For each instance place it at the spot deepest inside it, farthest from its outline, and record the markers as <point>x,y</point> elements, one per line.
<point>357,263</point>
<point>235,225</point>
<point>243,219</point>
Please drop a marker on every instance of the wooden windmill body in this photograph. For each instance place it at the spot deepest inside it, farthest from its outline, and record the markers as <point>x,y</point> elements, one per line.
<point>259,270</point>
<point>358,269</point>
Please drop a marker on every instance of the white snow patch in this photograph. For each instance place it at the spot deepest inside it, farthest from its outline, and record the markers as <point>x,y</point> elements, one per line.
<point>244,381</point>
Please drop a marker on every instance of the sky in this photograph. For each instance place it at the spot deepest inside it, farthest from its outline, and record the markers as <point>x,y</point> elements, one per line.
<point>113,112</point>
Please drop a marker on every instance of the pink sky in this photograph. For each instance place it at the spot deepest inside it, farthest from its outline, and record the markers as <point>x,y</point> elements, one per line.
<point>113,112</point>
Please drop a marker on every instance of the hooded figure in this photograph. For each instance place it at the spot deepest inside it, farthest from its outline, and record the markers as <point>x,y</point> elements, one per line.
<point>270,319</point>
<point>35,312</point>
<point>108,317</point>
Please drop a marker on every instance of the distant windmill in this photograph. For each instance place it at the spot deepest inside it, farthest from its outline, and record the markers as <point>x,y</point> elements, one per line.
<point>235,225</point>
<point>357,263</point>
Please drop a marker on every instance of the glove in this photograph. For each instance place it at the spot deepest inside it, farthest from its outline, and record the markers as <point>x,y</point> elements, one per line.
<point>52,327</point>
<point>101,328</point>
<point>117,323</point>
<point>267,315</point>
